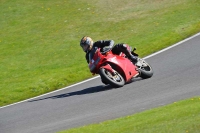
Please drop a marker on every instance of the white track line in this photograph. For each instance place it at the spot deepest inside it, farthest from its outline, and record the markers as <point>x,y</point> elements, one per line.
<point>99,76</point>
<point>185,40</point>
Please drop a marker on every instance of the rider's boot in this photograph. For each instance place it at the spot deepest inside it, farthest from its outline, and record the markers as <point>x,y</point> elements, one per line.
<point>133,58</point>
<point>131,55</point>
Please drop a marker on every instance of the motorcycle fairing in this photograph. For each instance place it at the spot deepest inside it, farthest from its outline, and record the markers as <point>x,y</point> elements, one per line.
<point>123,65</point>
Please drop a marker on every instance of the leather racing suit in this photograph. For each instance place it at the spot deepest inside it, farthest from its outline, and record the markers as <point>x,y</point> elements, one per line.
<point>117,49</point>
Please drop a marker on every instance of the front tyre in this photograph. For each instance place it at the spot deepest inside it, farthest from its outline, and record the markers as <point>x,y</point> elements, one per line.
<point>145,69</point>
<point>115,80</point>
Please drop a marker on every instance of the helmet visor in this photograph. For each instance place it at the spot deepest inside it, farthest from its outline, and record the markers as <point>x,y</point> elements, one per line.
<point>84,47</point>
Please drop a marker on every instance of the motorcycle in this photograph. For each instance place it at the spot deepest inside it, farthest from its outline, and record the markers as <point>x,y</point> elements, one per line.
<point>117,70</point>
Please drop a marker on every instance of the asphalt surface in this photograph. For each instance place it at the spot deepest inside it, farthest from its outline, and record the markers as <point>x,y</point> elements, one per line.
<point>176,77</point>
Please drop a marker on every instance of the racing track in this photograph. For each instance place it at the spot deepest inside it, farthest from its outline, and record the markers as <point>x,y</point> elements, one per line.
<point>176,77</point>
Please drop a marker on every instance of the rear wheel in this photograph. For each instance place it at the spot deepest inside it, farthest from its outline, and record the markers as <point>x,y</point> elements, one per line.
<point>115,80</point>
<point>145,69</point>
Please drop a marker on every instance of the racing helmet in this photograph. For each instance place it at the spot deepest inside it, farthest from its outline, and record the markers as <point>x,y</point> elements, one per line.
<point>86,43</point>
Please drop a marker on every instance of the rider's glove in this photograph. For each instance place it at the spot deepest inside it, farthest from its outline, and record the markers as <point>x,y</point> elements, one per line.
<point>106,48</point>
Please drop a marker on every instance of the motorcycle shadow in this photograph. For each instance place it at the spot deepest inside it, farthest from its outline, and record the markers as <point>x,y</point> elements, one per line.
<point>89,90</point>
<point>134,80</point>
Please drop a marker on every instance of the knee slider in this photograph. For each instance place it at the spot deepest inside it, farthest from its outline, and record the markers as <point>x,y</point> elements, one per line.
<point>126,46</point>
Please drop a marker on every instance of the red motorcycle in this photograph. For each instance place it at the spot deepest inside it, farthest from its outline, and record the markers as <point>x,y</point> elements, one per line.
<point>117,70</point>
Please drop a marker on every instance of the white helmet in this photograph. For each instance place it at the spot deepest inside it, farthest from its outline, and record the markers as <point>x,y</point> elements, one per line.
<point>86,43</point>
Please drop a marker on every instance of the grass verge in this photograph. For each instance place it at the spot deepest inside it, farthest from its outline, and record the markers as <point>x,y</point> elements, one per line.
<point>39,40</point>
<point>178,117</point>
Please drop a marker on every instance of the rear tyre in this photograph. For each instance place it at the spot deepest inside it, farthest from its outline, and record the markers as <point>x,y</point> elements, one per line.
<point>115,80</point>
<point>145,69</point>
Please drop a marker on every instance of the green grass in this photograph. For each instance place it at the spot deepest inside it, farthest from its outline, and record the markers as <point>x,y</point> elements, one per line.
<point>178,117</point>
<point>39,40</point>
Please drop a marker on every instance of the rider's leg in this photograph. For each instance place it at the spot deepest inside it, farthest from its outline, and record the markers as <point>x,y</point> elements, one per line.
<point>126,49</point>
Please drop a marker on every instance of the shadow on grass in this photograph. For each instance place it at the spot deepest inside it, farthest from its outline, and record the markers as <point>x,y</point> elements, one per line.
<point>81,92</point>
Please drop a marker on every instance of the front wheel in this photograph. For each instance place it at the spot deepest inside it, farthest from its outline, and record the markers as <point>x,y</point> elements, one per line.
<point>115,80</point>
<point>145,69</point>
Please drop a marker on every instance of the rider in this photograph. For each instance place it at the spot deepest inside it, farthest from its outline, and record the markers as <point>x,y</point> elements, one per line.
<point>87,44</point>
